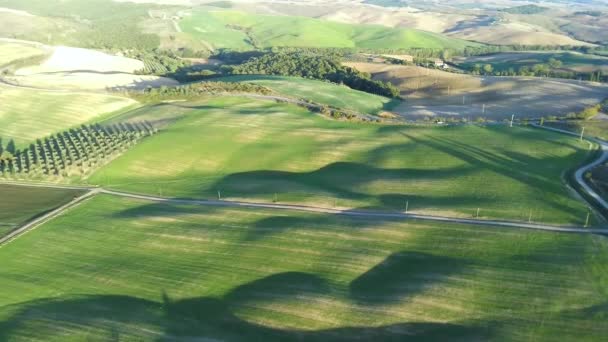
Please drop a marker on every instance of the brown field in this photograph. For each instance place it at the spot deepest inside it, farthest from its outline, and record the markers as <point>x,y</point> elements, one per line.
<point>435,93</point>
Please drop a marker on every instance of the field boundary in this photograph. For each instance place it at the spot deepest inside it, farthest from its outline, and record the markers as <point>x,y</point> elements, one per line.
<point>363,214</point>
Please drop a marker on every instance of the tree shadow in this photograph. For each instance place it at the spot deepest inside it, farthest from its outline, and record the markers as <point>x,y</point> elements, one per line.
<point>400,275</point>
<point>127,317</point>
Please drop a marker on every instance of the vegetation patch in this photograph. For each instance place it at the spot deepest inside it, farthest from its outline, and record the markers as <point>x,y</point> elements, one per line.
<point>324,67</point>
<point>325,93</point>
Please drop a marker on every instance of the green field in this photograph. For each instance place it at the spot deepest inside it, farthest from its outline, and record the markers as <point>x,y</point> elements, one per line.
<point>116,269</point>
<point>10,52</point>
<point>20,203</point>
<point>264,151</point>
<point>572,61</point>
<point>320,92</point>
<point>29,114</point>
<point>268,31</point>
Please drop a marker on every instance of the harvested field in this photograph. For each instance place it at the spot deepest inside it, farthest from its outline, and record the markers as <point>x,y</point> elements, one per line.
<point>28,114</point>
<point>432,93</point>
<point>84,69</point>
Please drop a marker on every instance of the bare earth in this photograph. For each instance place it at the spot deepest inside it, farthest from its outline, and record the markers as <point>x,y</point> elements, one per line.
<point>431,93</point>
<point>76,68</point>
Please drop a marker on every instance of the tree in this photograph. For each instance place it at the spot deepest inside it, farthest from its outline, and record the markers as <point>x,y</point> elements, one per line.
<point>488,68</point>
<point>555,63</point>
<point>10,147</point>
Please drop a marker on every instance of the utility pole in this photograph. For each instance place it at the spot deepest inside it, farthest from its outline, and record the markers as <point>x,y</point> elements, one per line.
<point>587,220</point>
<point>463,99</point>
<point>219,195</point>
<point>483,108</point>
<point>407,204</point>
<point>477,213</point>
<point>530,217</point>
<point>512,117</point>
<point>275,198</point>
<point>448,90</point>
<point>582,133</point>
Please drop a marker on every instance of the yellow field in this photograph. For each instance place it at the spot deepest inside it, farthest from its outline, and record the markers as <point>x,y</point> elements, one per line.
<point>28,114</point>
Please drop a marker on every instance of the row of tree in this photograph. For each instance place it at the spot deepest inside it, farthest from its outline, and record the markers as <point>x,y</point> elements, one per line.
<point>194,90</point>
<point>312,65</point>
<point>73,152</point>
<point>549,69</point>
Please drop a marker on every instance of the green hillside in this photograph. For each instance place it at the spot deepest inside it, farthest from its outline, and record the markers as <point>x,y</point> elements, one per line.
<point>239,30</point>
<point>319,92</point>
<point>252,149</point>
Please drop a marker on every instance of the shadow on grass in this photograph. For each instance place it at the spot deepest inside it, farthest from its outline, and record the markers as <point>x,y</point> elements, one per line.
<point>402,274</point>
<point>126,317</point>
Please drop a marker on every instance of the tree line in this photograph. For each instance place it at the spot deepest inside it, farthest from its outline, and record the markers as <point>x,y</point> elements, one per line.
<point>194,90</point>
<point>73,152</point>
<point>312,65</point>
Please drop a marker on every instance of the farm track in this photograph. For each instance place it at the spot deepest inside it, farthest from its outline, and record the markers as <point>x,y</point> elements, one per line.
<point>366,214</point>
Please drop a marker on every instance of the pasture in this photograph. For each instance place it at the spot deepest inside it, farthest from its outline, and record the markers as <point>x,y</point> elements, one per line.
<point>320,92</point>
<point>264,151</point>
<point>436,93</point>
<point>11,51</point>
<point>572,61</point>
<point>28,114</point>
<point>131,270</point>
<point>21,204</point>
<point>240,30</point>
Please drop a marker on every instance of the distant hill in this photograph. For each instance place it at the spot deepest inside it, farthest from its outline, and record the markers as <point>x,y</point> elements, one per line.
<point>240,30</point>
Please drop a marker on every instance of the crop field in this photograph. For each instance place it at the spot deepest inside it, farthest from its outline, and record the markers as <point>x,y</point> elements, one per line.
<point>435,93</point>
<point>23,203</point>
<point>28,114</point>
<point>130,270</point>
<point>572,61</point>
<point>320,92</point>
<point>239,30</point>
<point>264,151</point>
<point>13,51</point>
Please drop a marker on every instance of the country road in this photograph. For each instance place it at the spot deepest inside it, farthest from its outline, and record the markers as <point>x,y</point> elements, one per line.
<point>92,191</point>
<point>579,175</point>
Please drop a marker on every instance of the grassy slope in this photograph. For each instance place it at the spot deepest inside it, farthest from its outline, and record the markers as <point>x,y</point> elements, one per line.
<point>305,32</point>
<point>10,52</point>
<point>30,114</point>
<point>254,149</point>
<point>22,203</point>
<point>571,60</point>
<point>319,92</point>
<point>130,270</point>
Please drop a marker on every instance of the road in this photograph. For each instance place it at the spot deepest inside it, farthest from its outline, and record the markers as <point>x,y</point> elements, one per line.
<point>579,175</point>
<point>92,191</point>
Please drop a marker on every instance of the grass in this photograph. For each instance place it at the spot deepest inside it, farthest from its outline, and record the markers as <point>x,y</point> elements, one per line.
<point>593,128</point>
<point>572,61</point>
<point>10,52</point>
<point>268,31</point>
<point>21,204</point>
<point>264,151</point>
<point>28,114</point>
<point>320,92</point>
<point>116,269</point>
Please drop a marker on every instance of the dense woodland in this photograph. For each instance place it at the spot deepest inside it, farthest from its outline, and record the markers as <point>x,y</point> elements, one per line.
<point>315,66</point>
<point>75,152</point>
